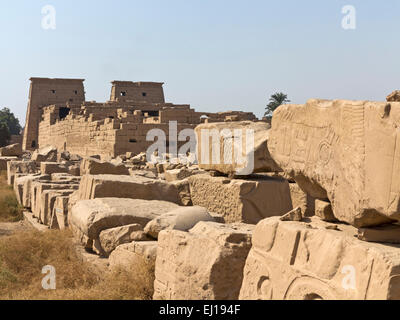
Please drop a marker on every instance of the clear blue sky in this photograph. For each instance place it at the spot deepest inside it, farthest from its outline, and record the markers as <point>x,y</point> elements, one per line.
<point>214,54</point>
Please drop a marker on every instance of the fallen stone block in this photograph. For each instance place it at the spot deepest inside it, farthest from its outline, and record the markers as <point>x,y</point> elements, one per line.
<point>91,217</point>
<point>394,96</point>
<point>23,186</point>
<point>19,167</point>
<point>131,187</point>
<point>302,200</point>
<point>239,148</point>
<point>180,174</point>
<point>93,166</point>
<point>132,254</point>
<point>294,215</point>
<point>323,210</point>
<point>112,238</point>
<point>53,167</point>
<point>46,154</point>
<point>305,261</point>
<point>4,160</point>
<point>47,200</point>
<point>247,201</point>
<point>205,263</point>
<point>334,150</point>
<point>13,150</point>
<point>382,234</point>
<point>182,219</point>
<point>60,213</point>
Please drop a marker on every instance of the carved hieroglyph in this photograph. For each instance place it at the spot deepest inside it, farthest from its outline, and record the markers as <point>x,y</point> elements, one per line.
<point>302,261</point>
<point>344,151</point>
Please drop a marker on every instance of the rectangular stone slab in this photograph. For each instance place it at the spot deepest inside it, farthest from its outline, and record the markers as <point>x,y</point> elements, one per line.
<point>205,263</point>
<point>249,154</point>
<point>247,201</point>
<point>305,261</point>
<point>344,151</point>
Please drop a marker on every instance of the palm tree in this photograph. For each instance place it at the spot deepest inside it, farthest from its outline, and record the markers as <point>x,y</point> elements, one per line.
<point>276,100</point>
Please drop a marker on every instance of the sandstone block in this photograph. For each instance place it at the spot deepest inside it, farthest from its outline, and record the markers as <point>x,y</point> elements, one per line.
<point>344,151</point>
<point>91,217</point>
<point>112,238</point>
<point>305,261</point>
<point>302,200</point>
<point>182,219</point>
<point>14,150</point>
<point>19,167</point>
<point>205,263</point>
<point>4,160</point>
<point>247,201</point>
<point>323,210</point>
<point>53,167</point>
<point>46,154</point>
<point>93,166</point>
<point>381,234</point>
<point>134,253</point>
<point>22,187</point>
<point>179,174</point>
<point>60,213</point>
<point>239,148</point>
<point>131,187</point>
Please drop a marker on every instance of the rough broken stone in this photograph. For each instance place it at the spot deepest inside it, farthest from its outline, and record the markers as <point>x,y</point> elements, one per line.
<point>131,187</point>
<point>247,201</point>
<point>394,96</point>
<point>294,215</point>
<point>303,261</point>
<point>323,210</point>
<point>46,154</point>
<point>254,153</point>
<point>112,238</point>
<point>382,234</point>
<point>132,254</point>
<point>334,150</point>
<point>4,160</point>
<point>179,174</point>
<point>91,217</point>
<point>13,150</point>
<point>53,167</point>
<point>205,263</point>
<point>182,219</point>
<point>22,167</point>
<point>94,167</point>
<point>302,200</point>
<point>22,187</point>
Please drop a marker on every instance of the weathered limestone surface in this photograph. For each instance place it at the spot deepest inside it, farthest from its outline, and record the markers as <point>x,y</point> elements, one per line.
<point>132,187</point>
<point>182,219</point>
<point>22,187</point>
<point>394,96</point>
<point>14,150</point>
<point>305,261</point>
<point>247,201</point>
<point>23,167</point>
<point>4,160</point>
<point>53,167</point>
<point>91,217</point>
<point>46,154</point>
<point>344,151</point>
<point>132,254</point>
<point>112,238</point>
<point>302,200</point>
<point>205,263</point>
<point>94,166</point>
<point>253,150</point>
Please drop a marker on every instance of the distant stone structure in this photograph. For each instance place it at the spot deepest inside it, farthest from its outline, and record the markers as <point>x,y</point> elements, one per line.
<point>58,115</point>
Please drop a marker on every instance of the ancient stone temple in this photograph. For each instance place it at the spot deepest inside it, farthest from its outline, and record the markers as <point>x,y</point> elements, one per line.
<point>58,115</point>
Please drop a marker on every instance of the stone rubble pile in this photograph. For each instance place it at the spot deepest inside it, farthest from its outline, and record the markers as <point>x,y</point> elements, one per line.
<point>317,218</point>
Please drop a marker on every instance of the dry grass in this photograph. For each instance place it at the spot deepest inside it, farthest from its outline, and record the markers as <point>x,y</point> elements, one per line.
<point>23,255</point>
<point>10,210</point>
